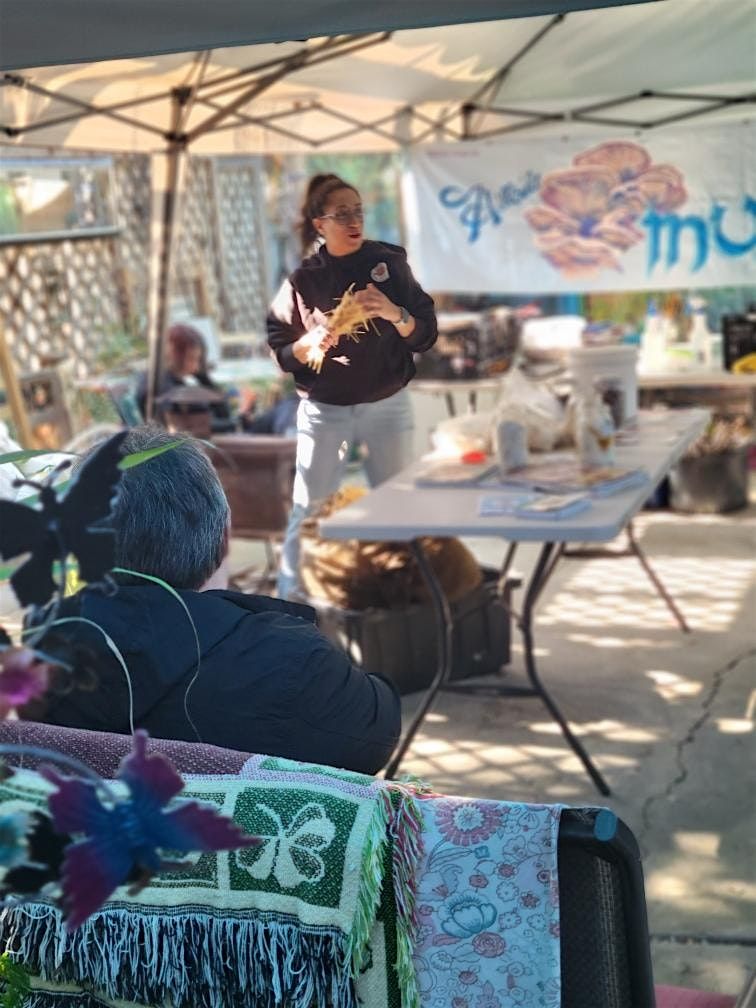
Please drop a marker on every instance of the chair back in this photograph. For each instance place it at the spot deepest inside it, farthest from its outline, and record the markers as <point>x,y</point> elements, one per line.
<point>257,473</point>
<point>605,950</point>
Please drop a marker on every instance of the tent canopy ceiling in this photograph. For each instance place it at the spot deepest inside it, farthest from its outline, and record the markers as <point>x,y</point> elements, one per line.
<point>82,31</point>
<point>628,67</point>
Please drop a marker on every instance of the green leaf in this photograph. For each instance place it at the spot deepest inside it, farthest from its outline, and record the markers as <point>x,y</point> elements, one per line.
<point>30,453</point>
<point>137,458</point>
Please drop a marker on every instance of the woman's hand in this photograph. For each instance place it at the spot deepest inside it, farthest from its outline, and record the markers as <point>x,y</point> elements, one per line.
<point>376,304</point>
<point>315,342</point>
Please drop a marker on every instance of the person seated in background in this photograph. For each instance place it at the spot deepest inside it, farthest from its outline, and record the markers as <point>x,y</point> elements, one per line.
<point>266,681</point>
<point>280,418</point>
<point>186,366</point>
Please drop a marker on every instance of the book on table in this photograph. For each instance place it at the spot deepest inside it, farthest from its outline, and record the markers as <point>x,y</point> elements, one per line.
<point>452,473</point>
<point>533,505</point>
<point>562,474</point>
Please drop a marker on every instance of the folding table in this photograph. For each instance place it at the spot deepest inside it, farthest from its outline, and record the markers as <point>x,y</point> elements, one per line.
<point>399,510</point>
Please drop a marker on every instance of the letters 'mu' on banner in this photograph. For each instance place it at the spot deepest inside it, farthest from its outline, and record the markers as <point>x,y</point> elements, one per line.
<point>660,211</point>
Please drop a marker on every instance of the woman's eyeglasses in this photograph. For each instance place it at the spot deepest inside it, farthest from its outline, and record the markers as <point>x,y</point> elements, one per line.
<point>345,217</point>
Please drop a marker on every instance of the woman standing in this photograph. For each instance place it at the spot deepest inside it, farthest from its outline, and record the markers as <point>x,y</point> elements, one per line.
<point>358,396</point>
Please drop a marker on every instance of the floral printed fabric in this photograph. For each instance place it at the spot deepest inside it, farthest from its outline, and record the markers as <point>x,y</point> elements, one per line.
<point>488,902</point>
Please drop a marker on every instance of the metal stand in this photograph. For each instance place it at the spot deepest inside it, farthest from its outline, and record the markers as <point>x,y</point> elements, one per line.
<point>547,560</point>
<point>633,548</point>
<point>472,402</point>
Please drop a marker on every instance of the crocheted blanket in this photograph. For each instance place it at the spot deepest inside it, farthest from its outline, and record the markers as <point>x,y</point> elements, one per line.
<point>322,913</point>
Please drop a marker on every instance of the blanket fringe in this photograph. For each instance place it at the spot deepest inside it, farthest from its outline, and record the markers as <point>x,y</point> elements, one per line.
<point>406,833</point>
<point>189,960</point>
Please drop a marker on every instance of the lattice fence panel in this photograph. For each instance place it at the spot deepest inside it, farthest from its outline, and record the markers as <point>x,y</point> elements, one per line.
<point>197,282</point>
<point>59,299</point>
<point>68,298</point>
<point>237,189</point>
<point>132,176</point>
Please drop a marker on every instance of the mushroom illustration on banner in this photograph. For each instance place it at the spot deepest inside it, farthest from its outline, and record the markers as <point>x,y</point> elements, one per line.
<point>588,212</point>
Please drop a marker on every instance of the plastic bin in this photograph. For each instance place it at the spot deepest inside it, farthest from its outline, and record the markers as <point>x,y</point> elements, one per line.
<point>402,644</point>
<point>710,484</point>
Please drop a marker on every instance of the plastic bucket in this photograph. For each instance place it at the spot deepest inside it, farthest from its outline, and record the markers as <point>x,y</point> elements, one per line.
<point>611,369</point>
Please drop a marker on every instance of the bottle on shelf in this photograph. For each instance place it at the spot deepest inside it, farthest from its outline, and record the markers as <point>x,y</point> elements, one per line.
<point>653,341</point>
<point>699,335</point>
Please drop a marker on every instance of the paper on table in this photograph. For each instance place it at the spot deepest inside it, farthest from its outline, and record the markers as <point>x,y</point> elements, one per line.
<point>560,473</point>
<point>451,473</point>
<point>533,505</point>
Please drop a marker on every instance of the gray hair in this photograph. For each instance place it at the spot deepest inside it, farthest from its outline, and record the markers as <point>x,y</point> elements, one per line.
<point>171,514</point>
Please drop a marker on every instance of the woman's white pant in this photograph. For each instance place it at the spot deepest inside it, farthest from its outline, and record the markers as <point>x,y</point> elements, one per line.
<point>325,435</point>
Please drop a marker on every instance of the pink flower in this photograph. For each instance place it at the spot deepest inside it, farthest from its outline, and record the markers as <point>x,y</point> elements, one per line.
<point>506,870</point>
<point>23,677</point>
<point>478,881</point>
<point>467,823</point>
<point>467,977</point>
<point>489,944</point>
<point>529,900</point>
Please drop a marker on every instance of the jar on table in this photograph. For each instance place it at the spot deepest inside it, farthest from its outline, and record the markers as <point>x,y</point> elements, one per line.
<point>594,432</point>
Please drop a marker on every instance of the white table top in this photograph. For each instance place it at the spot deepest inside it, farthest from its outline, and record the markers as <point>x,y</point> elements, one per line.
<point>697,379</point>
<point>438,386</point>
<point>399,510</point>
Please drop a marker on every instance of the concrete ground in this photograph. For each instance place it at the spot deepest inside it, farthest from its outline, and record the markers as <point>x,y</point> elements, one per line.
<point>668,718</point>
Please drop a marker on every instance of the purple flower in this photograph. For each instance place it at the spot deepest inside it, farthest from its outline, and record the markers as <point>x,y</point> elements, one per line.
<point>487,999</point>
<point>467,823</point>
<point>528,899</point>
<point>488,944</point>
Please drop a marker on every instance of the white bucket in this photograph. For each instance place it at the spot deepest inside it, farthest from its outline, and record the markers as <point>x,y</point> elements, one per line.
<point>607,368</point>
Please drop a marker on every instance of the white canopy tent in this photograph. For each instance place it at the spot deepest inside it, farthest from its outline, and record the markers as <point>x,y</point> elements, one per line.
<point>640,66</point>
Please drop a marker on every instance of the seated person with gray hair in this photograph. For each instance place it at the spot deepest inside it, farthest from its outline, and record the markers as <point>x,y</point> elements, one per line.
<point>267,680</point>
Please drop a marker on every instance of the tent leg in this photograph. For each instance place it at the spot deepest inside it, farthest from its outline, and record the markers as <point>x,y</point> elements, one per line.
<point>167,178</point>
<point>13,394</point>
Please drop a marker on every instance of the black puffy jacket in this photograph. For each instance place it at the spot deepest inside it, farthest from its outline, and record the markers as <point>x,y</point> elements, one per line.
<point>269,681</point>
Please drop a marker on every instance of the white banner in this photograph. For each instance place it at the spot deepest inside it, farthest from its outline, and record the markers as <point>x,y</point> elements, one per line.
<point>552,215</point>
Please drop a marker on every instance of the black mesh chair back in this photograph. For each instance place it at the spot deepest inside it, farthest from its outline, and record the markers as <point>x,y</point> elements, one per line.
<point>605,952</point>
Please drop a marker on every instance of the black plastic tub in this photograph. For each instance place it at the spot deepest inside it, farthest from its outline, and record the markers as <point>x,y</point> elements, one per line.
<point>710,484</point>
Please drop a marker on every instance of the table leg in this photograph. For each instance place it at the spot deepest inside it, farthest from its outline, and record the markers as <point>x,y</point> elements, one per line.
<point>450,408</point>
<point>633,549</point>
<point>444,629</point>
<point>543,570</point>
<point>472,401</point>
<point>654,578</point>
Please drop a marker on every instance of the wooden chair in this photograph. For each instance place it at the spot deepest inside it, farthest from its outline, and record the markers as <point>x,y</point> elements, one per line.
<point>257,473</point>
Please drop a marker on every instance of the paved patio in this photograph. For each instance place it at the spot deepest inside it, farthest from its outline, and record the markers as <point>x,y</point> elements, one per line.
<point>668,718</point>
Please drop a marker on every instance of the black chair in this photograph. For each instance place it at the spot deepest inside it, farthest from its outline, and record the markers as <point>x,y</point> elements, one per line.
<point>605,951</point>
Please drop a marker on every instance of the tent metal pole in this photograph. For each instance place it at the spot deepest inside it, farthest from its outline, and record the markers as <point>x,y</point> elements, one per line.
<point>13,394</point>
<point>486,94</point>
<point>86,109</point>
<point>297,61</point>
<point>163,240</point>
